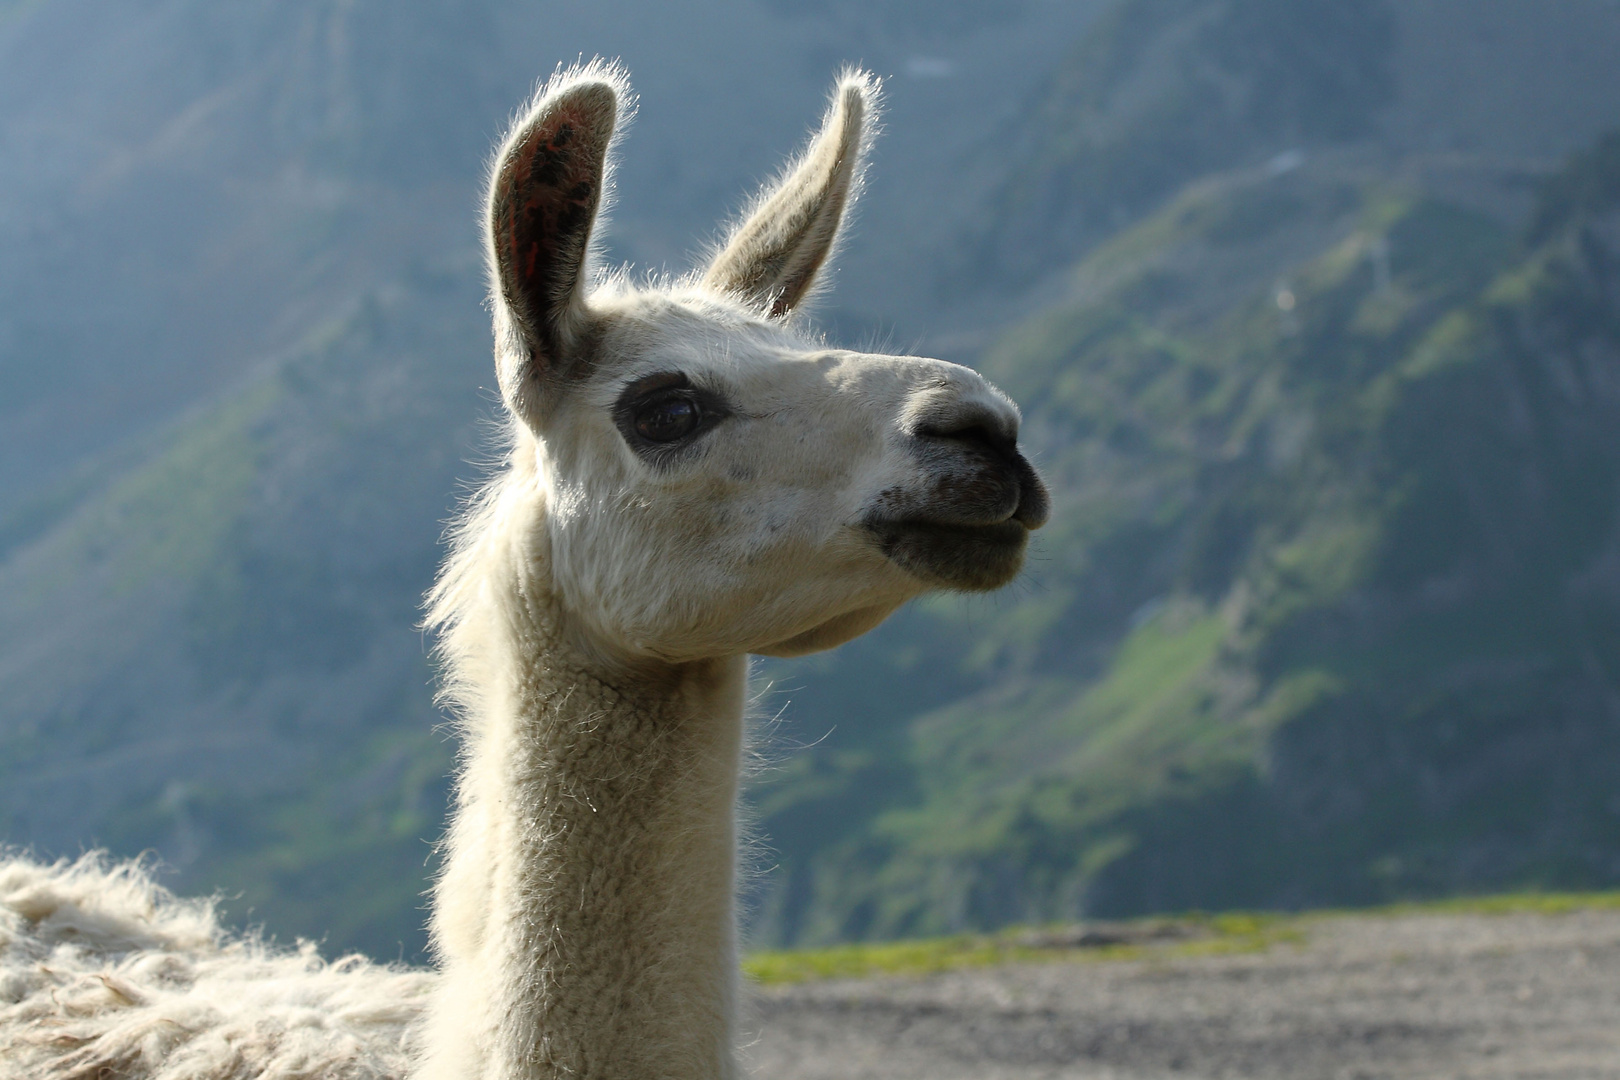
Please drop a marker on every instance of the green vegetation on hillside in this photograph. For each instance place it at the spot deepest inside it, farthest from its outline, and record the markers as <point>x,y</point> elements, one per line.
<point>1161,92</point>
<point>260,562</point>
<point>1324,601</point>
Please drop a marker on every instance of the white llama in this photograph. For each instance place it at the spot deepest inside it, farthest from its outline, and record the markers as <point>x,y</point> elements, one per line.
<point>689,480</point>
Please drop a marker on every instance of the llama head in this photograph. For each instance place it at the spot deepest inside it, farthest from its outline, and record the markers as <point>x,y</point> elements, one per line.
<point>709,480</point>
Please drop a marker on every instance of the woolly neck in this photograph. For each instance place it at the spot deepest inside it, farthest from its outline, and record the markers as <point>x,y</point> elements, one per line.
<point>584,922</point>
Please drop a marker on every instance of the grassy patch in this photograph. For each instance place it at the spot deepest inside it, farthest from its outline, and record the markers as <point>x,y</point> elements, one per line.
<point>1181,937</point>
<point>919,957</point>
<point>1156,938</point>
<point>1526,903</point>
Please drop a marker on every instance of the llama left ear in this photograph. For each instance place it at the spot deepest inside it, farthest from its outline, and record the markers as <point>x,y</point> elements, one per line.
<point>547,187</point>
<point>772,257</point>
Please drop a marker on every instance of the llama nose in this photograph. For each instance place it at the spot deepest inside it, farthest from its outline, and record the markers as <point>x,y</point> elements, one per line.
<point>969,414</point>
<point>993,434</point>
<point>982,430</point>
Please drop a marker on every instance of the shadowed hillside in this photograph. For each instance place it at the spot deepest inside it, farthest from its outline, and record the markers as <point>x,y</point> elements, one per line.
<point>1327,612</point>
<point>1315,326</point>
<point>1165,91</point>
<point>215,652</point>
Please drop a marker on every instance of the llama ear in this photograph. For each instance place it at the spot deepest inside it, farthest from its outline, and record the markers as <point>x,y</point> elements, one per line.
<point>547,186</point>
<point>772,257</point>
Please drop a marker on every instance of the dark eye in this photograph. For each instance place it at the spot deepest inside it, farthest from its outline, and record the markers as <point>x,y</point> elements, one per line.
<point>667,419</point>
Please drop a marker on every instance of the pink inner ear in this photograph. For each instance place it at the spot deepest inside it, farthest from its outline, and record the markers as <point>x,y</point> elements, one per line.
<point>550,198</point>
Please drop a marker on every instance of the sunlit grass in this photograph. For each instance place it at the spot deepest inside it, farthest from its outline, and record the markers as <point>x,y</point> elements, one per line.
<point>1528,903</point>
<point>919,957</point>
<point>1182,937</point>
<point>1191,935</point>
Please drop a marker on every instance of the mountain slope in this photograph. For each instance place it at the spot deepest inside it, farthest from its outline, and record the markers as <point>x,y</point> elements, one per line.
<point>1328,611</point>
<point>213,654</point>
<point>1161,92</point>
<point>1325,611</point>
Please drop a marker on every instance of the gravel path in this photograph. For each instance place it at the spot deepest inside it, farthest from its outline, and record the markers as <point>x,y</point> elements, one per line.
<point>1475,996</point>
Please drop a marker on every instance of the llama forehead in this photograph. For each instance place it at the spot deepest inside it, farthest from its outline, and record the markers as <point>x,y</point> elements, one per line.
<point>759,366</point>
<point>691,333</point>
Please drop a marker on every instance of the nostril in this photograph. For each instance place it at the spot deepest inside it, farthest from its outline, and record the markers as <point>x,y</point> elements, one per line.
<point>1018,492</point>
<point>1034,504</point>
<point>976,435</point>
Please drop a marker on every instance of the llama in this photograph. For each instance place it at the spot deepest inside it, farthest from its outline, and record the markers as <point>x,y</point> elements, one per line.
<point>689,479</point>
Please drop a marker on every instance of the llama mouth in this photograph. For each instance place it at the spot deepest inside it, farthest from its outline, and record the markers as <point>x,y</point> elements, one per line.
<point>969,557</point>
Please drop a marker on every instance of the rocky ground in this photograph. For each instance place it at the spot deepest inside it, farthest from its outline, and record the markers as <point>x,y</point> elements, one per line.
<point>1340,997</point>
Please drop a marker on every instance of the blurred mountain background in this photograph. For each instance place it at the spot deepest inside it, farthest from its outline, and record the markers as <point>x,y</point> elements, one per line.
<point>1313,308</point>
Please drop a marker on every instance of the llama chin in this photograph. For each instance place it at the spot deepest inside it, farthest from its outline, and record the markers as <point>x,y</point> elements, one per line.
<point>689,478</point>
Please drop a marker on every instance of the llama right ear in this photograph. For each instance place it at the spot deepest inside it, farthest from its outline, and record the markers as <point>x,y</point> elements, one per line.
<point>544,195</point>
<point>771,259</point>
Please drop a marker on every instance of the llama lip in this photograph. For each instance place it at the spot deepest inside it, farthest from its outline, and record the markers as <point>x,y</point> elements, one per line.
<point>957,556</point>
<point>967,527</point>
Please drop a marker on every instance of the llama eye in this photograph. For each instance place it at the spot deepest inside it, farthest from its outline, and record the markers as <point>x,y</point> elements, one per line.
<point>668,419</point>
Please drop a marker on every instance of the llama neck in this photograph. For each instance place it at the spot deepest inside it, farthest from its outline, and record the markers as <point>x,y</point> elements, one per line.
<point>584,920</point>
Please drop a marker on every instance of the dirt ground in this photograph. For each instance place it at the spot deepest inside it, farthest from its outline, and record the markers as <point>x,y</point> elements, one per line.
<point>1357,997</point>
